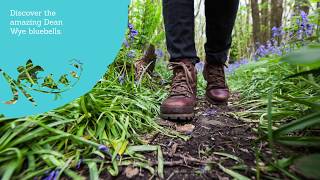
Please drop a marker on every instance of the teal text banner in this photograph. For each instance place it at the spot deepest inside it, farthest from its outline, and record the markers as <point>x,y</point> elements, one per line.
<point>54,51</point>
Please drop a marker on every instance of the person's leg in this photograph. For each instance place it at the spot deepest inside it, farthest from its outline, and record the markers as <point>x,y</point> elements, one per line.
<point>179,26</point>
<point>220,18</point>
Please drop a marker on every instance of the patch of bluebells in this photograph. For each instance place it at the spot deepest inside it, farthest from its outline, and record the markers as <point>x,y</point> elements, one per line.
<point>232,67</point>
<point>132,32</point>
<point>52,175</point>
<point>121,78</point>
<point>131,54</point>
<point>159,53</point>
<point>304,30</point>
<point>229,70</point>
<point>129,40</point>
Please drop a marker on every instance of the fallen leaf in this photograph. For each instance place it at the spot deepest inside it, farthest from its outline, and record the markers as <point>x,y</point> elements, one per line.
<point>173,149</point>
<point>131,172</point>
<point>213,123</point>
<point>187,129</point>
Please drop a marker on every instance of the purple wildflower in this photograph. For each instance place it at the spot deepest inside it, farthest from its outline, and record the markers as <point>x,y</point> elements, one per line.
<point>131,53</point>
<point>104,148</point>
<point>132,32</point>
<point>53,175</point>
<point>130,26</point>
<point>200,66</point>
<point>79,164</point>
<point>277,31</point>
<point>232,67</point>
<point>126,43</point>
<point>304,15</point>
<point>305,29</point>
<point>159,53</point>
<point>210,112</point>
<point>121,81</point>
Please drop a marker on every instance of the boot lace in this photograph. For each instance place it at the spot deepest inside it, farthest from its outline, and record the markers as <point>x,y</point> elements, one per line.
<point>216,76</point>
<point>181,81</point>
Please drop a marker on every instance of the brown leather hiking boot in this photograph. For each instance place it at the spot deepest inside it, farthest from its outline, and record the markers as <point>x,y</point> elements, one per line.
<point>182,99</point>
<point>217,91</point>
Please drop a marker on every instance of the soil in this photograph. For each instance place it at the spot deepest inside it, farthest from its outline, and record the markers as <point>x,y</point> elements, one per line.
<point>212,132</point>
<point>216,140</point>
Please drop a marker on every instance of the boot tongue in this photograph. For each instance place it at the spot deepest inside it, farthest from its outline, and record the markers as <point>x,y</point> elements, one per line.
<point>179,83</point>
<point>179,74</point>
<point>216,76</point>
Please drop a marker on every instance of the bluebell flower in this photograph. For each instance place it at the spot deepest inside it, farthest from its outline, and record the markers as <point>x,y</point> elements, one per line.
<point>159,53</point>
<point>131,54</point>
<point>304,15</point>
<point>104,148</point>
<point>133,33</point>
<point>199,66</point>
<point>232,67</point>
<point>53,175</point>
<point>121,78</point>
<point>79,164</point>
<point>126,43</point>
<point>130,26</point>
<point>210,112</point>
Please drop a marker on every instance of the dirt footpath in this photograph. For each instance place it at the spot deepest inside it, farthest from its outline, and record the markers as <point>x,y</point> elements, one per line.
<point>217,143</point>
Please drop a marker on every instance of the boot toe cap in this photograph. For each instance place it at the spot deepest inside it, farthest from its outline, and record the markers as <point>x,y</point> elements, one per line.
<point>220,95</point>
<point>177,106</point>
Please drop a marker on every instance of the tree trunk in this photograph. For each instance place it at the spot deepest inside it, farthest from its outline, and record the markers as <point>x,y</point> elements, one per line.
<point>301,5</point>
<point>265,22</point>
<point>256,30</point>
<point>276,13</point>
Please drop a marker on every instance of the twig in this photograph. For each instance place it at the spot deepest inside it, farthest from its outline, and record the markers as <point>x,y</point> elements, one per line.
<point>171,175</point>
<point>191,159</point>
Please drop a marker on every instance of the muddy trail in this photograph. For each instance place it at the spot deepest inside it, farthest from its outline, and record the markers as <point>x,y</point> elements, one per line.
<point>218,144</point>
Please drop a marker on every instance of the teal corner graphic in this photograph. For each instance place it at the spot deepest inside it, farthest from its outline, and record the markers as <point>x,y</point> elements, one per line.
<point>52,52</point>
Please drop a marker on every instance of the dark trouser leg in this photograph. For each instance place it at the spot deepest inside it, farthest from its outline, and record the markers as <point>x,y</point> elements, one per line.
<point>220,17</point>
<point>179,25</point>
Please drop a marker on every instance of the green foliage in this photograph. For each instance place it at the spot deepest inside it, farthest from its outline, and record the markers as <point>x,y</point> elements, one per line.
<point>114,114</point>
<point>283,94</point>
<point>241,35</point>
<point>308,166</point>
<point>146,15</point>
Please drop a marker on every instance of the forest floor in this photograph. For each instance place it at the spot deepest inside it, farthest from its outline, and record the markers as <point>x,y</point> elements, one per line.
<point>217,143</point>
<point>217,140</point>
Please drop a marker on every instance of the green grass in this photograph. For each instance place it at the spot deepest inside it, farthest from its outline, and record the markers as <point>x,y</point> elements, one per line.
<point>113,115</point>
<point>282,95</point>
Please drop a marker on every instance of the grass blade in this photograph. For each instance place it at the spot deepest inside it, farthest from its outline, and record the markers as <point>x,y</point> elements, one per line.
<point>233,173</point>
<point>94,174</point>
<point>299,124</point>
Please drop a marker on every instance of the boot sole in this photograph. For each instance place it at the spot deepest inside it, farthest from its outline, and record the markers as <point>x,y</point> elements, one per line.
<point>216,102</point>
<point>177,117</point>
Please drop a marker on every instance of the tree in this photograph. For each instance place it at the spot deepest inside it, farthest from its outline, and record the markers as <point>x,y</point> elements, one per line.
<point>256,30</point>
<point>276,13</point>
<point>265,22</point>
<point>301,5</point>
